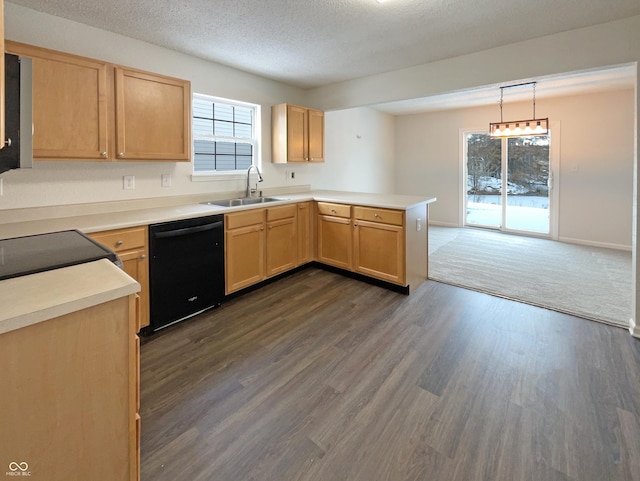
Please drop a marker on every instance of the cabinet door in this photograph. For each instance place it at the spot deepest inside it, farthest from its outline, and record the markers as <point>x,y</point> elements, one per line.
<point>69,107</point>
<point>244,257</point>
<point>297,132</point>
<point>153,117</point>
<point>379,251</point>
<point>334,241</point>
<point>67,406</point>
<point>131,246</point>
<point>316,136</point>
<point>305,234</point>
<point>282,243</point>
<point>136,264</point>
<point>2,137</point>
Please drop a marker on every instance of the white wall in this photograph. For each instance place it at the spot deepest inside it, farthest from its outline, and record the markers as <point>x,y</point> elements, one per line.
<point>595,175</point>
<point>59,183</point>
<point>359,151</point>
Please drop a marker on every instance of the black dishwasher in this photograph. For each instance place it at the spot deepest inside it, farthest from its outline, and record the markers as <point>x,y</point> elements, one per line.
<point>186,269</point>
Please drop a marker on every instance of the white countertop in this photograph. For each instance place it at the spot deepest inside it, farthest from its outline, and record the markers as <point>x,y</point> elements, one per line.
<point>27,300</point>
<point>135,217</point>
<point>35,298</point>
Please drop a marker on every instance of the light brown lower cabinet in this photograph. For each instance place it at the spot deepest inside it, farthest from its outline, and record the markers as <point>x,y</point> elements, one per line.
<point>305,233</point>
<point>244,249</point>
<point>70,388</point>
<point>374,242</point>
<point>335,237</point>
<point>2,106</point>
<point>259,243</point>
<point>379,244</point>
<point>366,240</point>
<point>131,246</point>
<point>282,239</point>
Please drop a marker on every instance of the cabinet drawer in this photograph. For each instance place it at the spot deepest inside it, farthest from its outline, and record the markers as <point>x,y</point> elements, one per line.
<point>337,210</point>
<point>385,216</point>
<point>281,212</point>
<point>243,219</point>
<point>122,239</point>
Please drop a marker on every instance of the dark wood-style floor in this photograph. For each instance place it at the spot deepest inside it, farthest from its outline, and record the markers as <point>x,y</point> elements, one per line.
<point>318,377</point>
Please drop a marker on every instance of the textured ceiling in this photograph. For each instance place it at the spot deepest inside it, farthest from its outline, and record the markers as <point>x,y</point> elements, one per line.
<point>312,43</point>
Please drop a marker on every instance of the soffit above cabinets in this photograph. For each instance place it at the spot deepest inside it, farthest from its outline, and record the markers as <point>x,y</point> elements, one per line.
<point>619,77</point>
<point>309,44</point>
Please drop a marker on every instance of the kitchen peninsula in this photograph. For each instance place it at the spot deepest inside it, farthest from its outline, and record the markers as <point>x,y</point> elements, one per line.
<point>371,236</point>
<point>69,376</point>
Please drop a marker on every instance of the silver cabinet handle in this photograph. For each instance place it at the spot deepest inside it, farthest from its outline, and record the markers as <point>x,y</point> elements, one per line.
<point>143,256</point>
<point>119,243</point>
<point>103,154</point>
<point>376,215</point>
<point>7,142</point>
<point>120,154</point>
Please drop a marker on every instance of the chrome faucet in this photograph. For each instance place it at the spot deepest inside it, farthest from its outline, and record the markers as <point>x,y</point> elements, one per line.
<point>251,191</point>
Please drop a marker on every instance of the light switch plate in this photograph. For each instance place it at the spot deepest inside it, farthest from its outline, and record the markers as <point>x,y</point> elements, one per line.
<point>129,182</point>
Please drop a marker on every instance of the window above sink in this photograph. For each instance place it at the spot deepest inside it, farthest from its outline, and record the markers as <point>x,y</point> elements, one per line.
<point>225,137</point>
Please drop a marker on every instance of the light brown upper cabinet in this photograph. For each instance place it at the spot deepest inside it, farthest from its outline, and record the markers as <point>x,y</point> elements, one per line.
<point>297,134</point>
<point>85,109</point>
<point>153,116</point>
<point>2,138</point>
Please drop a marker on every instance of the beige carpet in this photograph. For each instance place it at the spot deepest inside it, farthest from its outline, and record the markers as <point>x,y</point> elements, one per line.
<point>589,282</point>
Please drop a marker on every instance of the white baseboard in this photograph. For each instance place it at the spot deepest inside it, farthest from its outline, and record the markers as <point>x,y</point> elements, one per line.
<point>634,329</point>
<point>606,245</point>
<point>442,224</point>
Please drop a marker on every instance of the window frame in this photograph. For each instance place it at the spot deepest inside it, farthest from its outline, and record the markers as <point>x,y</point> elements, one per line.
<point>255,140</point>
<point>554,172</point>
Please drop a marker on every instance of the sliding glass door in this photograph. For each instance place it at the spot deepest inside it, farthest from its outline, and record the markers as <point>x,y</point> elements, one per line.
<point>484,181</point>
<point>508,182</point>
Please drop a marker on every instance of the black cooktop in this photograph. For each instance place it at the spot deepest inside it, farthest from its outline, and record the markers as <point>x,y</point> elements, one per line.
<point>20,256</point>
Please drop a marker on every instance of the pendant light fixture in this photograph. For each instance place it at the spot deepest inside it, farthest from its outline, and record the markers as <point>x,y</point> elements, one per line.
<point>519,128</point>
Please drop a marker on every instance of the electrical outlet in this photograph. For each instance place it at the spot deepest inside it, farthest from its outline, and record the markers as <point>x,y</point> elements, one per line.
<point>129,182</point>
<point>418,224</point>
<point>292,175</point>
<point>1,188</point>
<point>166,180</point>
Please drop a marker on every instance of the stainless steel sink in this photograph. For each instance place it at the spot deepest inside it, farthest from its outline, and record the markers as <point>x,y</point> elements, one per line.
<point>241,201</point>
